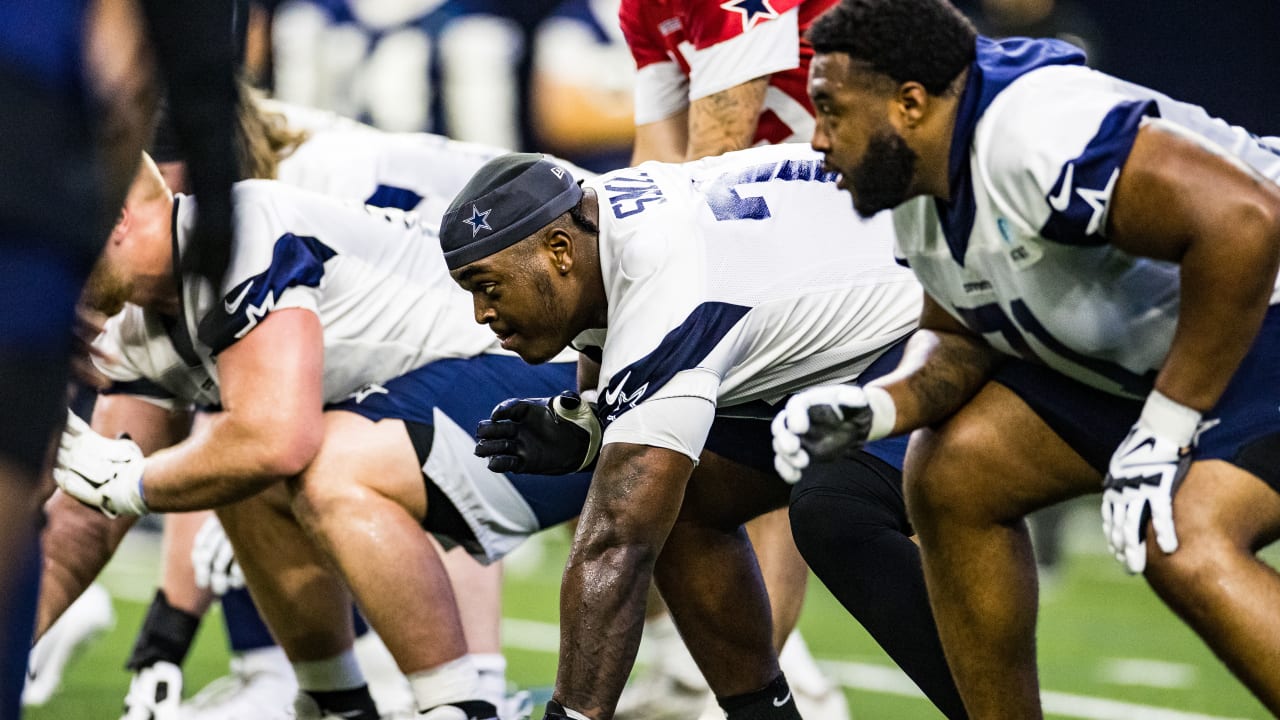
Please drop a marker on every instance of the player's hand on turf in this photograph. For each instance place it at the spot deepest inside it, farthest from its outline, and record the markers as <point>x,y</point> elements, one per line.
<point>214,561</point>
<point>821,423</point>
<point>102,473</point>
<point>1143,477</point>
<point>155,693</point>
<point>546,436</point>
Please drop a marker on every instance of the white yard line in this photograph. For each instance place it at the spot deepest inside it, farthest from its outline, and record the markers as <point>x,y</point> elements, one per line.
<point>545,637</point>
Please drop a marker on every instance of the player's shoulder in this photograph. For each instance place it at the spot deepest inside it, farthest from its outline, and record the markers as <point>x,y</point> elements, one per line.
<point>1051,109</point>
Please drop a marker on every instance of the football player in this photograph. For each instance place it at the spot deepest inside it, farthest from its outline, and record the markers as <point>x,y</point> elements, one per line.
<point>1100,262</point>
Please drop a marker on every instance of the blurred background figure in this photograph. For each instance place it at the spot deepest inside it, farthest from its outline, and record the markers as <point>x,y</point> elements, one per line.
<point>582,84</point>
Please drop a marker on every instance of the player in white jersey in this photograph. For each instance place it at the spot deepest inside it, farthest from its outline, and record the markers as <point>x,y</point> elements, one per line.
<point>321,151</point>
<point>707,292</point>
<point>331,318</point>
<point>1100,264</point>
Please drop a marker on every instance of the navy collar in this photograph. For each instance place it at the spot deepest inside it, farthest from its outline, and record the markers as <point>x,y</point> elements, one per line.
<point>997,65</point>
<point>176,328</point>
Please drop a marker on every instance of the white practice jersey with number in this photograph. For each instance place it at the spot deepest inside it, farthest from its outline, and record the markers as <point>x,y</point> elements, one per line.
<point>1020,252</point>
<point>375,278</point>
<point>738,278</point>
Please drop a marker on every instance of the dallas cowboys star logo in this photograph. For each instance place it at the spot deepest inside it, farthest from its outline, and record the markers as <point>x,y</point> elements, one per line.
<point>753,11</point>
<point>478,220</point>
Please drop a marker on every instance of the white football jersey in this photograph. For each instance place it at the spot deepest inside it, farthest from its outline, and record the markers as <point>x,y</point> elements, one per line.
<point>1019,253</point>
<point>411,171</point>
<point>737,278</point>
<point>375,278</point>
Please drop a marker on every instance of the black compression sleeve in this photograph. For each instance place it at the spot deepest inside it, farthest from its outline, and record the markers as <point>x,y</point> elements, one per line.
<point>193,42</point>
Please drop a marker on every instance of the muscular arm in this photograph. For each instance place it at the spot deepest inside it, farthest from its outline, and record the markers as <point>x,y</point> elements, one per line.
<point>634,500</point>
<point>943,366</point>
<point>270,427</point>
<point>1178,201</point>
<point>665,140</point>
<point>78,541</point>
<point>725,121</point>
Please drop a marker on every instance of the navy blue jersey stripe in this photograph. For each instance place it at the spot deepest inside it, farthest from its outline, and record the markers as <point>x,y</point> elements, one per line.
<point>683,348</point>
<point>388,196</point>
<point>997,65</point>
<point>295,261</point>
<point>1078,200</point>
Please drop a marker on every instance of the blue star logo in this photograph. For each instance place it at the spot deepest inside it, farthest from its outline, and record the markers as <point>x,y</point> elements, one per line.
<point>753,11</point>
<point>478,220</point>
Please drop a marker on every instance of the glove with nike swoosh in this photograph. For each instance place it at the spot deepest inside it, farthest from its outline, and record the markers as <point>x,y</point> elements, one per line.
<point>825,422</point>
<point>1143,476</point>
<point>544,436</point>
<point>102,473</point>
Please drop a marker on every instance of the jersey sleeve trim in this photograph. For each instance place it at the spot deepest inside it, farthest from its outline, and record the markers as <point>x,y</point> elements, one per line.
<point>661,90</point>
<point>765,49</point>
<point>296,261</point>
<point>1081,197</point>
<point>682,349</point>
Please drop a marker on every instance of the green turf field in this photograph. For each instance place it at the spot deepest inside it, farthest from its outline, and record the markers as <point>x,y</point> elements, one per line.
<point>1108,648</point>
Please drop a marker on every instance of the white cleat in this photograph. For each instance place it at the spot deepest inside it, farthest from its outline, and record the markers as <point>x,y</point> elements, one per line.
<point>671,688</point>
<point>816,696</point>
<point>261,686</point>
<point>88,617</point>
<point>517,706</point>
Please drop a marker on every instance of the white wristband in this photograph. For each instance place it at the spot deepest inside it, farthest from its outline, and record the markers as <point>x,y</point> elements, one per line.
<point>884,414</point>
<point>574,713</point>
<point>1169,418</point>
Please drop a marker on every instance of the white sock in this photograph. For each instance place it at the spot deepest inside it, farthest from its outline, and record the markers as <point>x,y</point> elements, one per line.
<point>340,672</point>
<point>454,681</point>
<point>798,665</point>
<point>493,676</point>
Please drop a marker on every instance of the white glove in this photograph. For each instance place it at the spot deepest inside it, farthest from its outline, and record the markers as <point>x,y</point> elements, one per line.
<point>827,421</point>
<point>1143,476</point>
<point>214,561</point>
<point>99,472</point>
<point>155,693</point>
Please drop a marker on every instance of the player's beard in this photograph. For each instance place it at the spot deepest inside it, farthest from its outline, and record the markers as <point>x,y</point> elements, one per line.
<point>883,179</point>
<point>107,289</point>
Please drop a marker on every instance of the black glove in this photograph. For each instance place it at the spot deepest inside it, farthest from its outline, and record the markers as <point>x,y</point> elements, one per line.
<point>545,436</point>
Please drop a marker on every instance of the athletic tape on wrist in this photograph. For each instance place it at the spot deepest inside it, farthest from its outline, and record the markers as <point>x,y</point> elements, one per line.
<point>884,414</point>
<point>1169,418</point>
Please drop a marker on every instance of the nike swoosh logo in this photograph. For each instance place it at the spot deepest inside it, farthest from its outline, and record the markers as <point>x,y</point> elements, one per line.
<point>234,305</point>
<point>1149,442</point>
<point>1060,201</point>
<point>779,702</point>
<point>611,397</point>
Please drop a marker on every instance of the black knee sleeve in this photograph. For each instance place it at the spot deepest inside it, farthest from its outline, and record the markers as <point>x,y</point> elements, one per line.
<point>850,524</point>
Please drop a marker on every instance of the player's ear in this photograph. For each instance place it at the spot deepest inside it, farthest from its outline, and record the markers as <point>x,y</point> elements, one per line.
<point>911,103</point>
<point>559,244</point>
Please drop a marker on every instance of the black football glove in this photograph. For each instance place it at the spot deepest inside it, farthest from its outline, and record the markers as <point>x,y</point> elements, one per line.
<point>544,436</point>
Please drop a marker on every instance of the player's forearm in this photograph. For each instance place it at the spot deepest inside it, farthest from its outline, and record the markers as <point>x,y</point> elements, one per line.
<point>940,371</point>
<point>602,599</point>
<point>726,121</point>
<point>229,459</point>
<point>77,543</point>
<point>634,499</point>
<point>1226,287</point>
